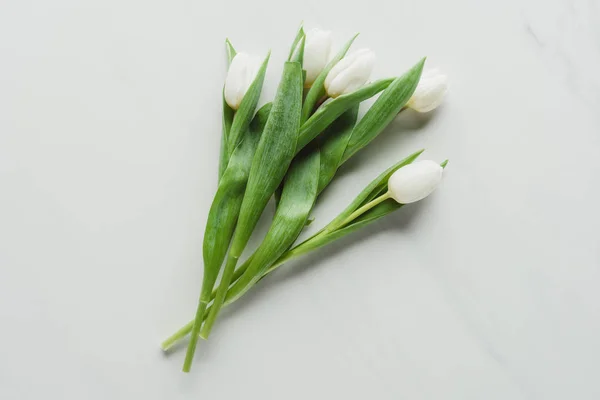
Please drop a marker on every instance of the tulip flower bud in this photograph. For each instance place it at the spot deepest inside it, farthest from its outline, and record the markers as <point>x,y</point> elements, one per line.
<point>415,181</point>
<point>350,73</point>
<point>241,74</point>
<point>429,92</point>
<point>316,53</point>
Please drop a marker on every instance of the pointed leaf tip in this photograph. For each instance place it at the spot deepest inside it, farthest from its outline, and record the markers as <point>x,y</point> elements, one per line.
<point>231,52</point>
<point>444,163</point>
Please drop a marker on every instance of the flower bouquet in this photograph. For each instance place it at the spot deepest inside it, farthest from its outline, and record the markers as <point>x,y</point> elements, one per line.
<point>291,149</point>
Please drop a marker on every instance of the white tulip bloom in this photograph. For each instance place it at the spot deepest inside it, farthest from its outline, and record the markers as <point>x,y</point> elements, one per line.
<point>415,181</point>
<point>241,74</point>
<point>317,47</point>
<point>350,73</point>
<point>430,91</point>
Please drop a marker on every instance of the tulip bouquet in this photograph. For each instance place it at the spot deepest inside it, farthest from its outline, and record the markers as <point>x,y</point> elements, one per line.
<point>290,149</point>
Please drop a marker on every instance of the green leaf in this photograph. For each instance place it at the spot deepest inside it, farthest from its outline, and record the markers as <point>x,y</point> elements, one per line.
<point>317,90</point>
<point>372,215</point>
<point>299,36</point>
<point>331,110</point>
<point>298,49</point>
<point>226,204</point>
<point>274,153</point>
<point>299,56</point>
<point>228,114</point>
<point>384,110</point>
<point>245,112</point>
<point>329,149</point>
<point>273,156</point>
<point>297,199</point>
<point>327,236</point>
<point>377,212</point>
<point>231,53</point>
<point>333,143</point>
<point>223,216</point>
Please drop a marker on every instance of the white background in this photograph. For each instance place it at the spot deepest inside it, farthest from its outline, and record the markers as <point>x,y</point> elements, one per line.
<point>109,134</point>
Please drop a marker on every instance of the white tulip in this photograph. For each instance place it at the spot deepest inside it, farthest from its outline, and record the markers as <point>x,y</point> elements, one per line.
<point>241,74</point>
<point>430,91</point>
<point>415,181</point>
<point>350,73</point>
<point>316,53</point>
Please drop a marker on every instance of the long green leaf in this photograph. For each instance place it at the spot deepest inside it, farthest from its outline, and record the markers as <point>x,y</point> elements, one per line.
<point>299,36</point>
<point>273,156</point>
<point>227,202</point>
<point>333,143</point>
<point>384,110</point>
<point>274,153</point>
<point>231,52</point>
<point>330,111</point>
<point>228,114</point>
<point>297,199</point>
<point>372,215</point>
<point>381,210</point>
<point>297,52</point>
<point>223,216</point>
<point>245,112</point>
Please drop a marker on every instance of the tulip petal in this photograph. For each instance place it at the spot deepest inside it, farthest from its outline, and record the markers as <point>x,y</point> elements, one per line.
<point>317,90</point>
<point>352,72</point>
<point>316,53</point>
<point>430,92</point>
<point>415,182</point>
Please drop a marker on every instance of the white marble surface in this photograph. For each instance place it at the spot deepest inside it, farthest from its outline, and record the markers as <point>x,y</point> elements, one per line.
<point>109,126</point>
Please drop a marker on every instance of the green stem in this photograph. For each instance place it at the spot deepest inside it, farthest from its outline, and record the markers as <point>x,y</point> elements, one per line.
<point>360,211</point>
<point>189,356</point>
<point>177,336</point>
<point>228,273</point>
<point>187,328</point>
